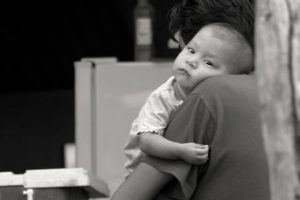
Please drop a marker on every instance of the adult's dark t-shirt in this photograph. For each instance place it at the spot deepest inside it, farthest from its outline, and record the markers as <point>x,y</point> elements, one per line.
<point>223,112</point>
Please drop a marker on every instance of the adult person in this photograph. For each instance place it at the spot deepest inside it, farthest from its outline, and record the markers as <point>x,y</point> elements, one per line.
<point>237,166</point>
<point>222,112</point>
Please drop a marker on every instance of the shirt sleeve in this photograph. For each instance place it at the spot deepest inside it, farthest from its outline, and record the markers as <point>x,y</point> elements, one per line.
<point>155,114</point>
<point>192,122</point>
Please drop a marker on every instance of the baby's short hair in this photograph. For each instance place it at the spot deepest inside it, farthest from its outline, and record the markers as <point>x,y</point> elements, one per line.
<point>244,59</point>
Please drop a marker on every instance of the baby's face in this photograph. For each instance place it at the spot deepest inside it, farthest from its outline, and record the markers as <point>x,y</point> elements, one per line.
<point>214,50</point>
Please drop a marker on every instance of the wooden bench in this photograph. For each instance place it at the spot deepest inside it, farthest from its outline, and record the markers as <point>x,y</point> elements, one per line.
<point>50,184</point>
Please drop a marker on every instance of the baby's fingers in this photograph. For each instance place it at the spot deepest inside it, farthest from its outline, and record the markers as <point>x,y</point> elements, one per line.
<point>200,151</point>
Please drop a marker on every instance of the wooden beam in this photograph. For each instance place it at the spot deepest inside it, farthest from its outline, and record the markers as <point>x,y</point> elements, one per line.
<point>277,55</point>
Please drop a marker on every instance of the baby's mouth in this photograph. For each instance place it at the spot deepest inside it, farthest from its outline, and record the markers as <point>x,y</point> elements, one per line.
<point>183,71</point>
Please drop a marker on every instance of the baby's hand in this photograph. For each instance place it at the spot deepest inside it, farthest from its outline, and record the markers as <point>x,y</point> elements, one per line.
<point>194,153</point>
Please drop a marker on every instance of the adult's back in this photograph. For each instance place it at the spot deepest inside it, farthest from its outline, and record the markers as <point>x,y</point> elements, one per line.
<point>222,112</point>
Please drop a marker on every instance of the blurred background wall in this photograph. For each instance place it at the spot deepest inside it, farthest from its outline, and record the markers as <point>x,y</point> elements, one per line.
<point>40,40</point>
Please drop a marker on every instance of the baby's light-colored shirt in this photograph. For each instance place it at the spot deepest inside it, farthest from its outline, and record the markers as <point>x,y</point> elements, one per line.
<point>153,117</point>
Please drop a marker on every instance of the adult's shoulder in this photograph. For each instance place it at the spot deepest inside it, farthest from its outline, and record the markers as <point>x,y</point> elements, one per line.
<point>227,91</point>
<point>227,84</point>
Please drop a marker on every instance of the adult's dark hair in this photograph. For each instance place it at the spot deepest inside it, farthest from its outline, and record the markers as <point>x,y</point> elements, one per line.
<point>189,16</point>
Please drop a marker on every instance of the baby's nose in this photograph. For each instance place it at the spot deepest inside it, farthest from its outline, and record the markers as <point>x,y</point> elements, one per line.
<point>192,64</point>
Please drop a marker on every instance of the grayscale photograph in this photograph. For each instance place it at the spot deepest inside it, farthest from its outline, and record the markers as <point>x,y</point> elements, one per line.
<point>150,100</point>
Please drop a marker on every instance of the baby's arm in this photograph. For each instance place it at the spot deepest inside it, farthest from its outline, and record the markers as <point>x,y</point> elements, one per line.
<point>157,145</point>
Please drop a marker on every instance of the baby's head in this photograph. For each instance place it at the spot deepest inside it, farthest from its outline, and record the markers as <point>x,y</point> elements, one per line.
<point>216,49</point>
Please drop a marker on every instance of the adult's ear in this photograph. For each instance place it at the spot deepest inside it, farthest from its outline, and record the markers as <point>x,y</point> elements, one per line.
<point>179,39</point>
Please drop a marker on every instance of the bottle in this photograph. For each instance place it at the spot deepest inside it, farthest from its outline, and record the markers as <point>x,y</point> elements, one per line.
<point>143,41</point>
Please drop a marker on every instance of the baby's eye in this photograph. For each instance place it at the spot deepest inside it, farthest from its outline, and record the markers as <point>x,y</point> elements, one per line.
<point>209,63</point>
<point>190,50</point>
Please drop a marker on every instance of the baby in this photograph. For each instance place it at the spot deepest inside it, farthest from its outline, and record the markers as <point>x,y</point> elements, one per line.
<point>215,50</point>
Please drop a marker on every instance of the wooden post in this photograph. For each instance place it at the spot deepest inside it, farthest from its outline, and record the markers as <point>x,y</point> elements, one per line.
<point>85,111</point>
<point>83,115</point>
<point>277,68</point>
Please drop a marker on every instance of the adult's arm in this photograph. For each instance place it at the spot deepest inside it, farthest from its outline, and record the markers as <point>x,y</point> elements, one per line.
<point>144,183</point>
